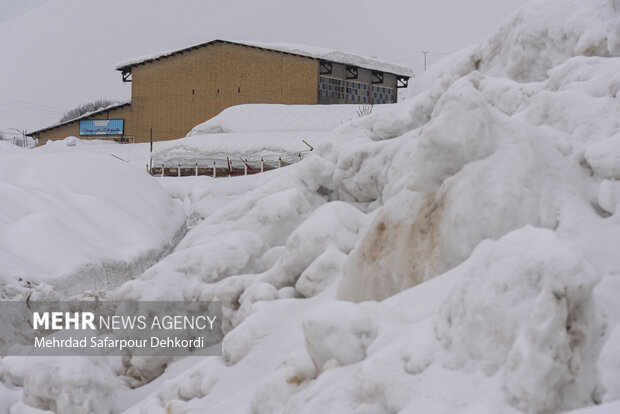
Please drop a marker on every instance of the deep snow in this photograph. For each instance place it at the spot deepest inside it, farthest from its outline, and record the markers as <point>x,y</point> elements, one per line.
<point>456,253</point>
<point>79,221</point>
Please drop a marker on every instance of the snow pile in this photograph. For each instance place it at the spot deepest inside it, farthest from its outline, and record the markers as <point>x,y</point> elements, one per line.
<point>239,236</point>
<point>457,253</point>
<point>274,117</point>
<point>505,142</point>
<point>136,155</point>
<point>54,385</point>
<point>79,221</point>
<point>546,356</point>
<point>332,343</point>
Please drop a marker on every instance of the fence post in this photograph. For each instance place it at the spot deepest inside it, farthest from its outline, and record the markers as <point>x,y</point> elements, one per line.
<point>214,170</point>
<point>196,170</point>
<point>179,171</point>
<point>163,170</point>
<point>262,165</point>
<point>245,167</point>
<point>280,162</point>
<point>147,169</point>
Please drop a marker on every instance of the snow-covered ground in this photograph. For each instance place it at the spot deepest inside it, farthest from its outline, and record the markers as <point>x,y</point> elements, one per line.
<point>456,253</point>
<point>135,155</point>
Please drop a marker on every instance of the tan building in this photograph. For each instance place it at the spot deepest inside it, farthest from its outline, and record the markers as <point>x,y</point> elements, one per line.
<point>174,91</point>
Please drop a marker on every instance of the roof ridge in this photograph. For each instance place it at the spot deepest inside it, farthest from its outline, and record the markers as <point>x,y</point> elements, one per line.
<point>314,52</point>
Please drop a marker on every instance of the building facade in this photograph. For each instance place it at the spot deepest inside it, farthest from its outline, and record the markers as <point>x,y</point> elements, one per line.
<point>173,92</point>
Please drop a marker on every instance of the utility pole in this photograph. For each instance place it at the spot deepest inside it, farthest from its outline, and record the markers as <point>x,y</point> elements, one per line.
<point>151,153</point>
<point>23,135</point>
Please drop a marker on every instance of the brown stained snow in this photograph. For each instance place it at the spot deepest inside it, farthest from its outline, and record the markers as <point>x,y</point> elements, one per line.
<point>395,255</point>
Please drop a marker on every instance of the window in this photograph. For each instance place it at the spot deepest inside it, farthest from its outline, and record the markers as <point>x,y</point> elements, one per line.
<point>382,94</point>
<point>357,92</point>
<point>331,87</point>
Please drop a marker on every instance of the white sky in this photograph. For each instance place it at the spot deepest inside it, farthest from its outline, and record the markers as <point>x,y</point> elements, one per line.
<point>11,8</point>
<point>57,54</point>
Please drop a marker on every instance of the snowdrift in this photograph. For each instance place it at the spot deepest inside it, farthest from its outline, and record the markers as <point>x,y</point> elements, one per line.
<point>273,117</point>
<point>135,155</point>
<point>456,253</point>
<point>78,221</point>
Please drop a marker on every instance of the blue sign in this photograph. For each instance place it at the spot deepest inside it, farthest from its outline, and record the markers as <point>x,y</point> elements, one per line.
<point>101,127</point>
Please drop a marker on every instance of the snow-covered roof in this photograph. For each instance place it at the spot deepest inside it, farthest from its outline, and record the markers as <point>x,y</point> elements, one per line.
<point>294,49</point>
<point>85,115</point>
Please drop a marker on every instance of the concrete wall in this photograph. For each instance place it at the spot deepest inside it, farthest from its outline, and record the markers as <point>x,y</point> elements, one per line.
<point>174,94</point>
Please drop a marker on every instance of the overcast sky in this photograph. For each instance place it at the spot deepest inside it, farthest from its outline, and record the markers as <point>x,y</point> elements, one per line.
<point>58,54</point>
<point>11,8</point>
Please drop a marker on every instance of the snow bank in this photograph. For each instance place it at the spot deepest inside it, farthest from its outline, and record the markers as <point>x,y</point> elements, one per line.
<point>272,118</point>
<point>135,155</point>
<point>85,385</point>
<point>79,221</point>
<point>468,184</point>
<point>609,366</point>
<point>332,343</point>
<point>524,304</point>
<point>488,123</point>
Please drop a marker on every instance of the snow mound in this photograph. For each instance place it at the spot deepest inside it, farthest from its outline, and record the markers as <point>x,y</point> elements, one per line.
<point>274,117</point>
<point>525,303</point>
<point>135,155</point>
<point>530,43</point>
<point>258,131</point>
<point>79,221</point>
<point>333,343</point>
<point>475,182</point>
<point>604,157</point>
<point>85,385</point>
<point>609,366</point>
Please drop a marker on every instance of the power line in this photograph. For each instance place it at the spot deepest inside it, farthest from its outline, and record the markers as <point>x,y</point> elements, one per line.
<point>409,58</point>
<point>32,104</point>
<point>31,108</point>
<point>21,106</point>
<point>423,53</point>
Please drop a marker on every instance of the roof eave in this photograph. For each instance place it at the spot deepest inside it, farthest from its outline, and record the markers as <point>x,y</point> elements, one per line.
<point>79,118</point>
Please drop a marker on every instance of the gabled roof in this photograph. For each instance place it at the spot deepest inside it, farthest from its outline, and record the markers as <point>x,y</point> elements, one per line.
<point>288,48</point>
<point>86,115</point>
